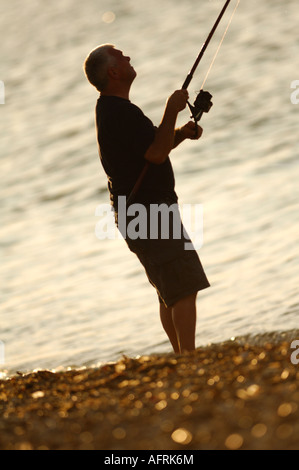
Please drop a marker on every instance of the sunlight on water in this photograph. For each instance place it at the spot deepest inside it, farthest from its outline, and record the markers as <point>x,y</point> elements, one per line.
<point>69,299</point>
<point>108,17</point>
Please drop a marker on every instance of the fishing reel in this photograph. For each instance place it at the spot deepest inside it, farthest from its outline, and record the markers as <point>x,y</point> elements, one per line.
<point>202,104</point>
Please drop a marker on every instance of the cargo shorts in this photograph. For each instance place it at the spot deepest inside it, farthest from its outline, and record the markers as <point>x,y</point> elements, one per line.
<point>174,271</point>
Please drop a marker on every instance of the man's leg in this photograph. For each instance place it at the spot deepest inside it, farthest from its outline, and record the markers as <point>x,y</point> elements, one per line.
<point>184,321</point>
<point>167,322</point>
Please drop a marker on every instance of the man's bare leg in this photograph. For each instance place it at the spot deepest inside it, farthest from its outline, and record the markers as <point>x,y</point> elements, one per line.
<point>167,322</point>
<point>184,321</point>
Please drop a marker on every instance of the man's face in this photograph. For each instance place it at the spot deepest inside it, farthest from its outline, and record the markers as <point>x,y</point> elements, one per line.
<point>123,66</point>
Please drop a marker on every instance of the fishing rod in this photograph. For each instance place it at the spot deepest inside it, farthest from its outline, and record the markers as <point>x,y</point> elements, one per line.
<point>203,101</point>
<point>204,47</point>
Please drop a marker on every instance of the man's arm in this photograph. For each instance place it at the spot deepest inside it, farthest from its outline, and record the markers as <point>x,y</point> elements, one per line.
<point>164,140</point>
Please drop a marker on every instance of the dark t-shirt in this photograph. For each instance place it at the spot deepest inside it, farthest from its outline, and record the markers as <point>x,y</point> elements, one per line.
<point>124,135</point>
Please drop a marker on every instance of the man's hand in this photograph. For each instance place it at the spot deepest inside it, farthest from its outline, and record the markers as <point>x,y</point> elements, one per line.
<point>189,131</point>
<point>167,137</point>
<point>178,101</point>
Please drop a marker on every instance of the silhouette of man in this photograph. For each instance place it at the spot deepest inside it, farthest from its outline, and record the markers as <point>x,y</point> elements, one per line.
<point>127,139</point>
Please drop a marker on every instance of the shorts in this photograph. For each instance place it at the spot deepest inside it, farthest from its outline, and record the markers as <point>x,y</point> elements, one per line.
<point>174,271</point>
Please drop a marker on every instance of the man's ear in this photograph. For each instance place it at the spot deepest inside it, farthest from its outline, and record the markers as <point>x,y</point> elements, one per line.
<point>113,72</point>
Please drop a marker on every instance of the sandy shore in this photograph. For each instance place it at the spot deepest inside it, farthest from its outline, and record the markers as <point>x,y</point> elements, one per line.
<point>234,395</point>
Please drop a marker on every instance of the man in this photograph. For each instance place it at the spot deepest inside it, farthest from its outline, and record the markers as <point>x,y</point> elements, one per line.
<point>127,140</point>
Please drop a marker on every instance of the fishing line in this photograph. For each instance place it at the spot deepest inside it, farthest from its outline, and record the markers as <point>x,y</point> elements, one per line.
<point>203,101</point>
<point>220,44</point>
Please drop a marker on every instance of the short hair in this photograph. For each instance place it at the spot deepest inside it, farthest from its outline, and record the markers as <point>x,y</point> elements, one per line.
<point>96,66</point>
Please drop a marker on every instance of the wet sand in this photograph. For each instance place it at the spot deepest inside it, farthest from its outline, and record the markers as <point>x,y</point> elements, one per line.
<point>240,394</point>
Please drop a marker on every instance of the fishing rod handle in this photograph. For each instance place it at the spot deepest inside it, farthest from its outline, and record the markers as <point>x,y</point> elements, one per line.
<point>138,183</point>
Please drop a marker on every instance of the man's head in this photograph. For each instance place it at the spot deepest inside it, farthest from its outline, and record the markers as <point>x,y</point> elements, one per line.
<point>106,65</point>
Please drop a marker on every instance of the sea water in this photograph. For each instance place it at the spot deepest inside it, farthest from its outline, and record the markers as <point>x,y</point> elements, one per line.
<point>70,299</point>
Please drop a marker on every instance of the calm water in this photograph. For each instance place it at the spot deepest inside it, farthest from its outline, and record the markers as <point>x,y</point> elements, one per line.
<point>68,299</point>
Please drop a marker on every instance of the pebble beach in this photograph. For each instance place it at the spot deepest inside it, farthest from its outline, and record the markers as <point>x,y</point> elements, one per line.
<point>66,297</point>
<point>240,394</point>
